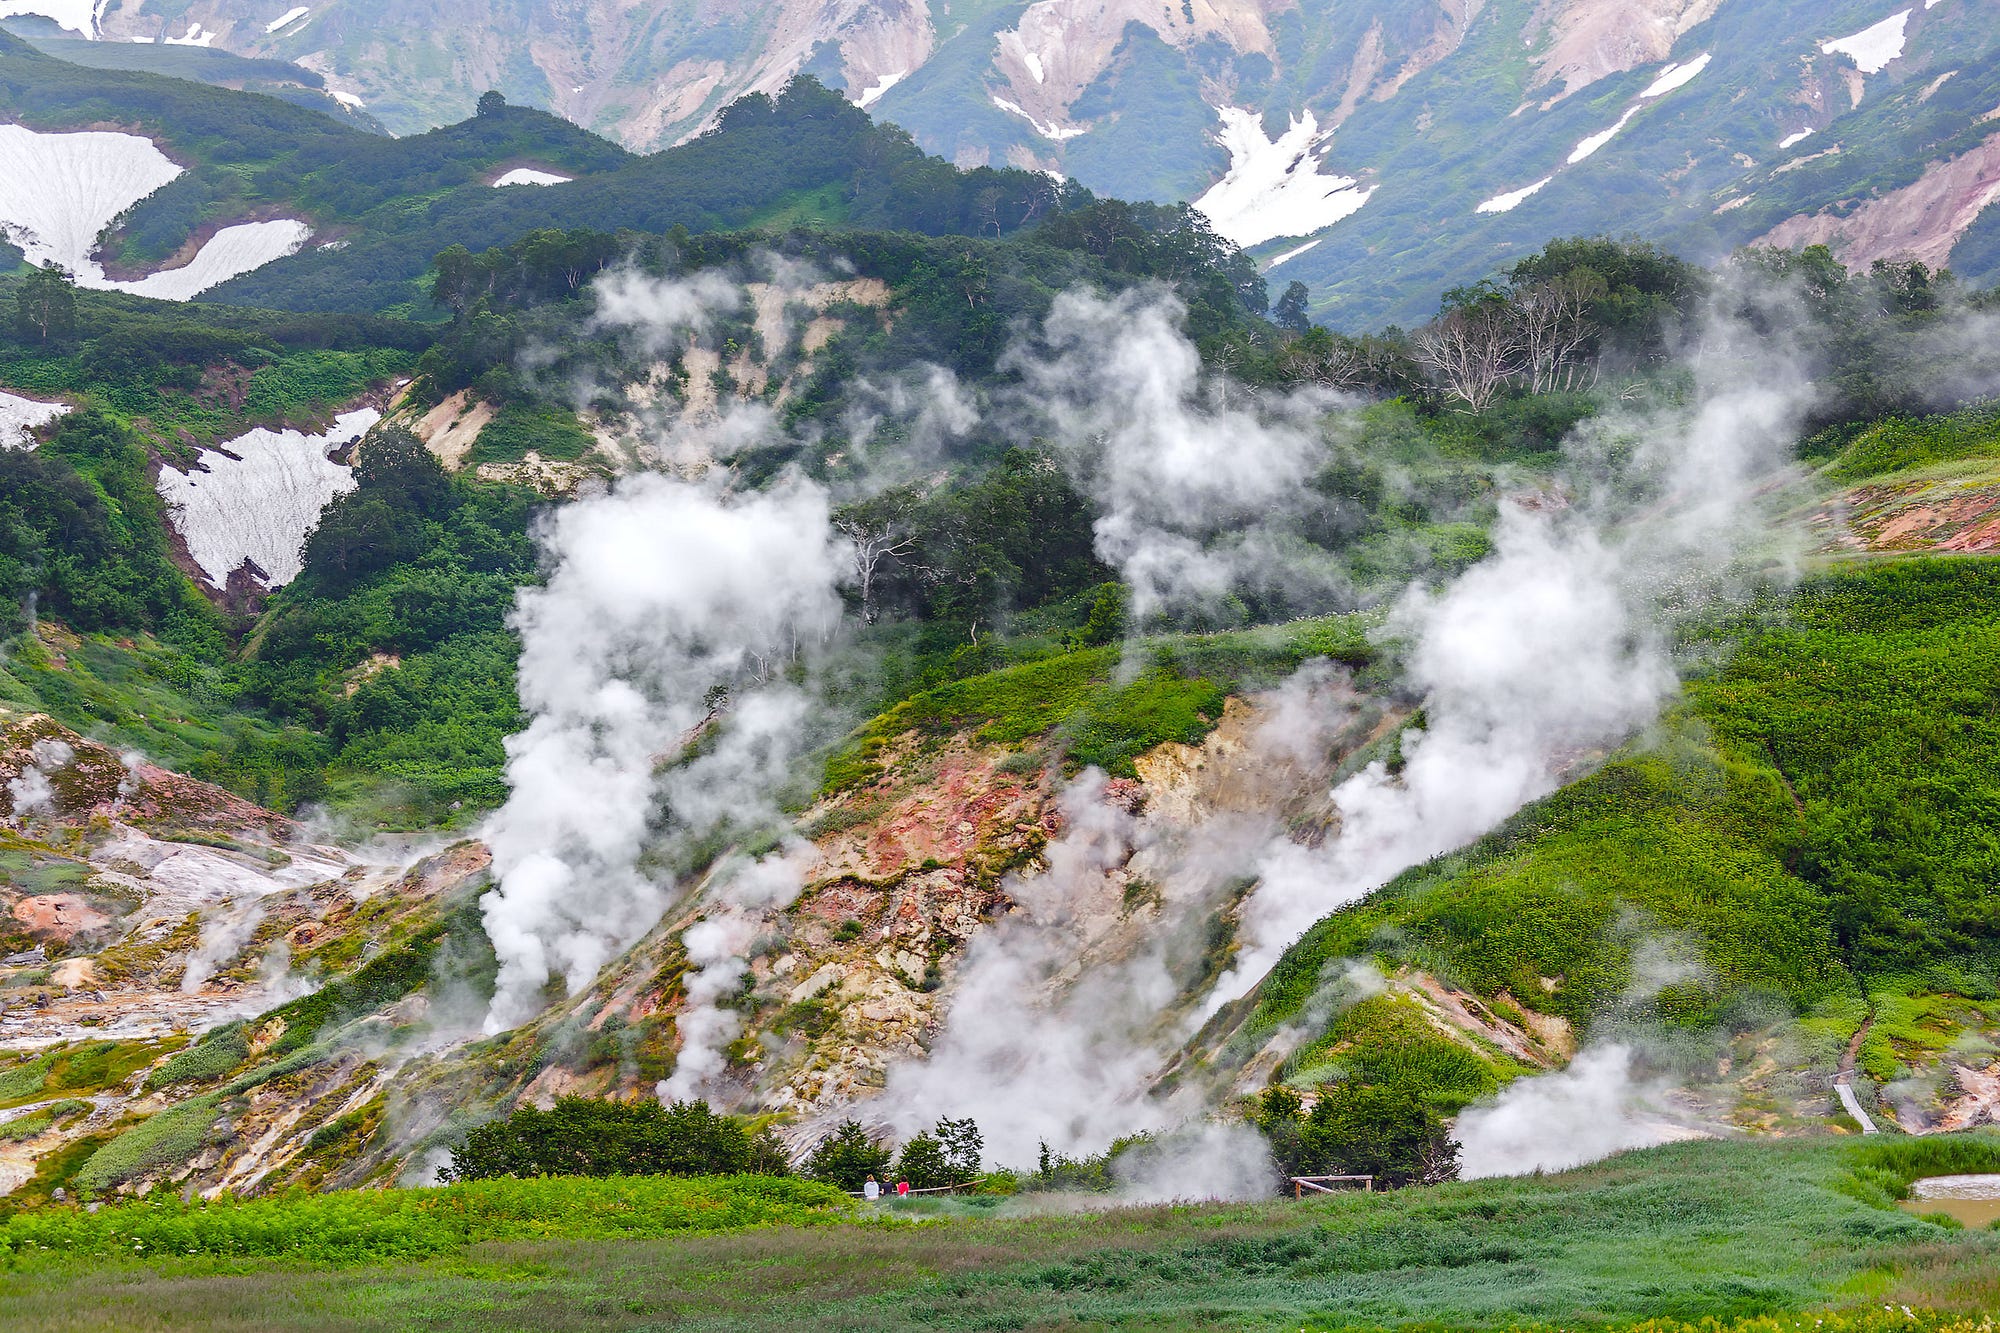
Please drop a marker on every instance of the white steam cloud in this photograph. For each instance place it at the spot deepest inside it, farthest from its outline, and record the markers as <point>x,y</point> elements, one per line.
<point>663,313</point>
<point>31,790</point>
<point>1547,650</point>
<point>1551,647</point>
<point>747,893</point>
<point>667,597</point>
<point>1586,1112</point>
<point>1193,483</point>
<point>225,931</point>
<point>1035,1053</point>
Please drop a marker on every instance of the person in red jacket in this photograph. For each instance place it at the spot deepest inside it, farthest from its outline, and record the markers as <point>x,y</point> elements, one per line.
<point>902,1189</point>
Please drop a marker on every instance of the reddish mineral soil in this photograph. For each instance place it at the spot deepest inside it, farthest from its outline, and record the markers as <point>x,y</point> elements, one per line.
<point>58,916</point>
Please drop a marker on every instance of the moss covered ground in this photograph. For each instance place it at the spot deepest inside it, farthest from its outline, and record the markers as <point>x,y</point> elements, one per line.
<point>1106,705</point>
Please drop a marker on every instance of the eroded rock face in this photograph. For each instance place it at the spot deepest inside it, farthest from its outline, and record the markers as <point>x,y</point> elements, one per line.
<point>144,908</point>
<point>1921,221</point>
<point>1590,39</point>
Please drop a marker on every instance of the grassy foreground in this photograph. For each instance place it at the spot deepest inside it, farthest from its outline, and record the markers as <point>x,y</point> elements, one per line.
<point>1746,1234</point>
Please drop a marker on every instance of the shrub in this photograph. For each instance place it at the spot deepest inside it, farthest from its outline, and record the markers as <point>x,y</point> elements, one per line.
<point>950,1154</point>
<point>847,1157</point>
<point>26,1127</point>
<point>585,1136</point>
<point>172,1135</point>
<point>1357,1129</point>
<point>209,1059</point>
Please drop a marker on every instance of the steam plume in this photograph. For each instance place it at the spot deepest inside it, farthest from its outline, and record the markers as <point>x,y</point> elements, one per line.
<point>748,892</point>
<point>1193,483</point>
<point>1553,645</point>
<point>1549,648</point>
<point>666,596</point>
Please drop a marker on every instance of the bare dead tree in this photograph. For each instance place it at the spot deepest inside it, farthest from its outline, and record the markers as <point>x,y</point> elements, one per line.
<point>1331,361</point>
<point>1471,352</point>
<point>1553,319</point>
<point>874,542</point>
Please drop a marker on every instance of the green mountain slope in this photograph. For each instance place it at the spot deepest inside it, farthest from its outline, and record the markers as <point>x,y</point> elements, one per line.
<point>1816,822</point>
<point>200,64</point>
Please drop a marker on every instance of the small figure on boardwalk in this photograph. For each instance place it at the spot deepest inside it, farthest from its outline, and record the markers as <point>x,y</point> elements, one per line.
<point>871,1191</point>
<point>902,1189</point>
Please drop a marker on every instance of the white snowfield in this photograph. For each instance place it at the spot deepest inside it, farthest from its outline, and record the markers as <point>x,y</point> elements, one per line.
<point>1502,203</point>
<point>260,505</point>
<point>345,99</point>
<point>1275,189</point>
<point>1675,76</point>
<point>1873,47</point>
<point>196,35</point>
<point>286,19</point>
<point>19,415</point>
<point>1596,141</point>
<point>231,251</point>
<point>529,176</point>
<point>58,192</point>
<point>1796,136</point>
<point>78,16</point>
<point>880,86</point>
<point>1294,252</point>
<point>1053,132</point>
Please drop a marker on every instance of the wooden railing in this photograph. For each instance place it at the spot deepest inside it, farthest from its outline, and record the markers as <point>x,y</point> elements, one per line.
<point>1300,1184</point>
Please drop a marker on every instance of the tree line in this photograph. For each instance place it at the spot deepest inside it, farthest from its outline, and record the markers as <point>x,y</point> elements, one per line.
<point>1349,1130</point>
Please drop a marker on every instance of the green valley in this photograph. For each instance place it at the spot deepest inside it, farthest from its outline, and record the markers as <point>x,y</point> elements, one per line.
<point>562,738</point>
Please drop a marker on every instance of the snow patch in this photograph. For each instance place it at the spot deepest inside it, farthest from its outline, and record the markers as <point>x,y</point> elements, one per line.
<point>529,176</point>
<point>260,504</point>
<point>1795,136</point>
<point>1502,203</point>
<point>1674,76</point>
<point>286,19</point>
<point>1873,47</point>
<point>1275,189</point>
<point>1033,62</point>
<point>58,192</point>
<point>1596,141</point>
<point>196,35</point>
<point>880,86</point>
<point>345,99</point>
<point>1051,131</point>
<point>77,16</point>
<point>1295,252</point>
<point>18,416</point>
<point>229,252</point>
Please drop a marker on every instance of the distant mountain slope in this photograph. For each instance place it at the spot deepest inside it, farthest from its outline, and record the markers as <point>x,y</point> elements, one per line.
<point>804,156</point>
<point>274,78</point>
<point>380,209</point>
<point>1413,144</point>
<point>245,157</point>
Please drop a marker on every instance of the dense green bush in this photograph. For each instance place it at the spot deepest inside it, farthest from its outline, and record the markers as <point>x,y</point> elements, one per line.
<point>948,1154</point>
<point>847,1157</point>
<point>1356,1128</point>
<point>219,1051</point>
<point>165,1138</point>
<point>588,1136</point>
<point>82,529</point>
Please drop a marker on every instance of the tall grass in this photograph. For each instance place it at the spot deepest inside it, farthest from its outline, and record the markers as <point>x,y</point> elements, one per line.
<point>372,1225</point>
